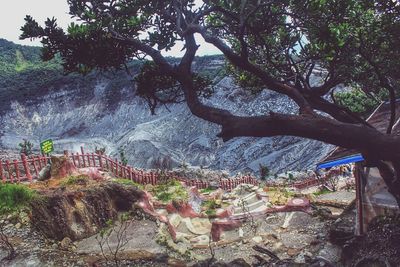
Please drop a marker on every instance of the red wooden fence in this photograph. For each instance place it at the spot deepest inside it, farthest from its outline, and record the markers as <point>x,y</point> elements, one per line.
<point>28,168</point>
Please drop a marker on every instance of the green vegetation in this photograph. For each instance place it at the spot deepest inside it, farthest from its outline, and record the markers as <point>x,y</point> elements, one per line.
<point>122,156</point>
<point>22,71</point>
<point>264,171</point>
<point>25,147</point>
<point>14,197</point>
<point>211,205</point>
<point>75,180</point>
<point>321,192</point>
<point>128,182</point>
<point>171,191</point>
<point>357,101</point>
<point>207,190</point>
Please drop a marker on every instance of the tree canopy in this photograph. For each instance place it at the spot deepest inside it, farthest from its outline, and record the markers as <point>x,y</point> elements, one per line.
<point>302,49</point>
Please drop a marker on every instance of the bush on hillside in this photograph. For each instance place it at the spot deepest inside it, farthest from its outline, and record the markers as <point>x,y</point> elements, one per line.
<point>14,197</point>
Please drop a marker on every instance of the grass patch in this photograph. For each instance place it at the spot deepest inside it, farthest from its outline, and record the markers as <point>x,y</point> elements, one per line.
<point>322,192</point>
<point>75,180</point>
<point>128,182</point>
<point>211,206</point>
<point>207,190</point>
<point>15,197</point>
<point>171,191</point>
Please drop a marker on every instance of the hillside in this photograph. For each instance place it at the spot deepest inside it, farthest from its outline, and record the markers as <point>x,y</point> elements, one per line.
<point>102,110</point>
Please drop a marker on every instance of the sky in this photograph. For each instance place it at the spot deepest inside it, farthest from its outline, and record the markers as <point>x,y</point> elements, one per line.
<point>12,14</point>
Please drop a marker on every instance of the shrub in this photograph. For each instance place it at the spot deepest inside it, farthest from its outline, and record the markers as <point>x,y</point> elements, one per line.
<point>75,180</point>
<point>264,172</point>
<point>100,151</point>
<point>122,156</point>
<point>128,182</point>
<point>25,147</point>
<point>170,191</point>
<point>207,190</point>
<point>14,197</point>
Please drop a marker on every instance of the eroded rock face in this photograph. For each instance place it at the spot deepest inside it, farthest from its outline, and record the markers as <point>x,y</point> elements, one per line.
<point>61,167</point>
<point>81,213</point>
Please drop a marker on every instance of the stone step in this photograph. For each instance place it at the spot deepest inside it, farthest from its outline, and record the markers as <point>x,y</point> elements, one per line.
<point>248,199</point>
<point>250,207</point>
<point>255,213</point>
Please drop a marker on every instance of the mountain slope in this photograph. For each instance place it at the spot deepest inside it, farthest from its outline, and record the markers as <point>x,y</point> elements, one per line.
<point>103,110</point>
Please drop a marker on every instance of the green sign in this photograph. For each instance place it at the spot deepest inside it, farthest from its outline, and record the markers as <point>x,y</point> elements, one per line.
<point>47,146</point>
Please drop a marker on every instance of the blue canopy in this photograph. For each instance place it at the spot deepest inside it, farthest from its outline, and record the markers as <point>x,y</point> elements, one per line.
<point>341,161</point>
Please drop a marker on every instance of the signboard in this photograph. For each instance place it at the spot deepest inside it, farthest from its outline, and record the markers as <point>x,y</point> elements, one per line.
<point>47,146</point>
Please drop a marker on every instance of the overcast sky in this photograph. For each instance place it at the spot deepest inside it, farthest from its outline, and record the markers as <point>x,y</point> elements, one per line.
<point>12,14</point>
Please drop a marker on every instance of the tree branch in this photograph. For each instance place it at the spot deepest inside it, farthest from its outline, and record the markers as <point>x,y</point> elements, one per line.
<point>244,64</point>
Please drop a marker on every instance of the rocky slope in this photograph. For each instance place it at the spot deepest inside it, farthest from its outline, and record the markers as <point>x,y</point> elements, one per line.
<point>103,111</point>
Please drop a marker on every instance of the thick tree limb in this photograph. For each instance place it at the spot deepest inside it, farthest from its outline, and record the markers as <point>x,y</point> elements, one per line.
<point>244,64</point>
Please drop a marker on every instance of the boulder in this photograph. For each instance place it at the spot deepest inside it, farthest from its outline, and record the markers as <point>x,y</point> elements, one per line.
<point>61,167</point>
<point>198,226</point>
<point>44,173</point>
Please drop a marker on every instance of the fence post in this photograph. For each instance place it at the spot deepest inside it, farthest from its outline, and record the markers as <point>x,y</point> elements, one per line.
<point>34,165</point>
<point>10,175</point>
<point>44,158</point>
<point>124,171</point>
<point>100,161</point>
<point>3,177</point>
<point>16,170</point>
<point>130,173</point>
<point>116,167</point>
<point>40,162</point>
<point>88,159</point>
<point>26,168</point>
<point>94,160</point>
<point>73,159</point>
<point>107,167</point>
<point>83,157</point>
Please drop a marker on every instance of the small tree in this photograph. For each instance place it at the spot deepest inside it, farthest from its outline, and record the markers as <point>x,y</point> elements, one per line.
<point>100,151</point>
<point>25,147</point>
<point>6,244</point>
<point>119,231</point>
<point>264,172</point>
<point>122,156</point>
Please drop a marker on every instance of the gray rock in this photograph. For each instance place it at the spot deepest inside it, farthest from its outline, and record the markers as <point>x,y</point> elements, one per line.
<point>331,253</point>
<point>66,243</point>
<point>44,173</point>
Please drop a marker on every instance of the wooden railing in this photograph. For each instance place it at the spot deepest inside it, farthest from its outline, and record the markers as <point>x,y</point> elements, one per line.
<point>28,168</point>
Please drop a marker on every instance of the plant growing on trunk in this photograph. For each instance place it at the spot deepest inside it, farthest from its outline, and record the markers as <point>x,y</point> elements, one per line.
<point>301,49</point>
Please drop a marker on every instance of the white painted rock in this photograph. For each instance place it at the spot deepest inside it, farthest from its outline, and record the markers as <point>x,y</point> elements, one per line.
<point>200,240</point>
<point>183,237</point>
<point>241,233</point>
<point>175,220</point>
<point>198,226</point>
<point>257,239</point>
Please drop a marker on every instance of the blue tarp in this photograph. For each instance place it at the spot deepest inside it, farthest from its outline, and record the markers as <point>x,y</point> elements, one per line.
<point>346,160</point>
